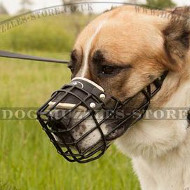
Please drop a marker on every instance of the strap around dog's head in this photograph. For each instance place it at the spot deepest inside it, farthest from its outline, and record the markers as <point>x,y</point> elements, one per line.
<point>188,118</point>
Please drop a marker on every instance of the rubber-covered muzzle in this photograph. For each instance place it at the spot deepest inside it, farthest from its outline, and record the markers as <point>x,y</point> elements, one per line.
<point>70,120</point>
<point>81,124</point>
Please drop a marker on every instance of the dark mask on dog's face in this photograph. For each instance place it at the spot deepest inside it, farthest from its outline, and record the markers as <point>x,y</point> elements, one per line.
<point>81,120</point>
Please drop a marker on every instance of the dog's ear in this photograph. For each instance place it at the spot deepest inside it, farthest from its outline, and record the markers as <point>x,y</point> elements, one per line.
<point>177,38</point>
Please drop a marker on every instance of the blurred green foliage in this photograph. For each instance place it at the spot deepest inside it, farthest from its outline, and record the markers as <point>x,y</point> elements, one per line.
<point>160,4</point>
<point>55,33</point>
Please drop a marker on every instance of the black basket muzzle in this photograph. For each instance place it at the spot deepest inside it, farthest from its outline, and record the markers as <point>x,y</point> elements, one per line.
<point>81,121</point>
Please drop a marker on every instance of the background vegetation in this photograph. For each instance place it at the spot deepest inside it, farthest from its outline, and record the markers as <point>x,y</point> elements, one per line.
<point>53,33</point>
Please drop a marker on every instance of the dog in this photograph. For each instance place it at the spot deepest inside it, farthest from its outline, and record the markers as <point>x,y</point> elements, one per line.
<point>124,50</point>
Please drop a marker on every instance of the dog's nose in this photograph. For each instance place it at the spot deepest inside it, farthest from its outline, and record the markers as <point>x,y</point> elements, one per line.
<point>65,115</point>
<point>60,129</point>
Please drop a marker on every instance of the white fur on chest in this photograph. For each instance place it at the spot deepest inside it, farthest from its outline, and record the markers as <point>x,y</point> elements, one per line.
<point>160,149</point>
<point>170,172</point>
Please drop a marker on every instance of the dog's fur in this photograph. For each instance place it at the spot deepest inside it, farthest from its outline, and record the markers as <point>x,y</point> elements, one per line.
<point>145,45</point>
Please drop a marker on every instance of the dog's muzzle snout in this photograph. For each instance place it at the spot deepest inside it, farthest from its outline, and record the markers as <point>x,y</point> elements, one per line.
<point>80,124</point>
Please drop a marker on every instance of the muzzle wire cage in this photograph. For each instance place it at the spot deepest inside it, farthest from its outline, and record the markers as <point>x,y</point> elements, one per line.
<point>56,126</point>
<point>85,97</point>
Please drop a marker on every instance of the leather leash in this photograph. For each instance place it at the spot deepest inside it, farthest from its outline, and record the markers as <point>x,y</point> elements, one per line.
<point>29,57</point>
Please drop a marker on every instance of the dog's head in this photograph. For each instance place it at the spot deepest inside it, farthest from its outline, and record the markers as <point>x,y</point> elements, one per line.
<point>123,51</point>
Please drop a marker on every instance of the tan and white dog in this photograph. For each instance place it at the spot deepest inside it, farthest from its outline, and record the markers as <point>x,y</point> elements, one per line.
<point>124,50</point>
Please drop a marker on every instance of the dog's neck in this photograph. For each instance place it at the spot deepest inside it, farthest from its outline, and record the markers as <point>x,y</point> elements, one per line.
<point>158,143</point>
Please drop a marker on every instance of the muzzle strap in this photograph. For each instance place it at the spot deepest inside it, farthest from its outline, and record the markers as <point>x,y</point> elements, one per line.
<point>8,54</point>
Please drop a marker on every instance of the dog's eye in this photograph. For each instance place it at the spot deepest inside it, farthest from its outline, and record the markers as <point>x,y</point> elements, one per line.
<point>109,70</point>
